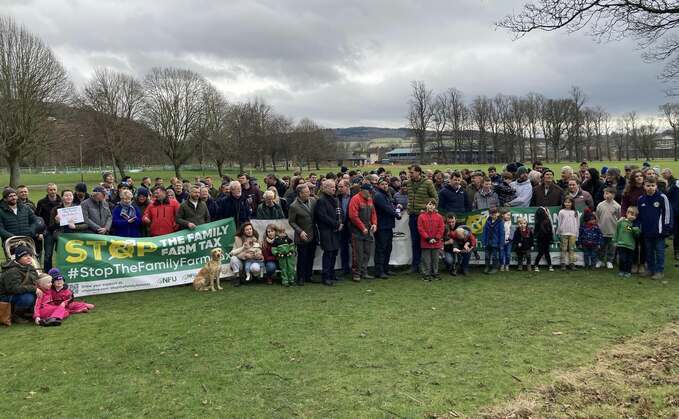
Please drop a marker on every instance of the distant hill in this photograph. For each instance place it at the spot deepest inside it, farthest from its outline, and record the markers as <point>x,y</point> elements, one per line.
<point>369,133</point>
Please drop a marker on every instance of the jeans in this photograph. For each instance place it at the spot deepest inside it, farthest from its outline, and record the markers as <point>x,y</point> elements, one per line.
<point>506,254</point>
<point>415,241</point>
<point>254,267</point>
<point>49,250</point>
<point>328,266</point>
<point>655,254</point>
<point>24,300</point>
<point>492,256</point>
<point>450,260</point>
<point>607,251</point>
<point>589,254</point>
<point>625,259</point>
<point>270,268</point>
<point>383,246</point>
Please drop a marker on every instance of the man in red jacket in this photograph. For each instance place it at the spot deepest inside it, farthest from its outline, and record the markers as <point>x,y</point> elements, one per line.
<point>363,218</point>
<point>161,213</point>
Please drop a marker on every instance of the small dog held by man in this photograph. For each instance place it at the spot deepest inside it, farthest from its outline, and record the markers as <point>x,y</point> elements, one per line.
<point>207,279</point>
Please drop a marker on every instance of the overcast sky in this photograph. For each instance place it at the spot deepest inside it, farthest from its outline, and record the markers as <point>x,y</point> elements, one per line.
<point>341,63</point>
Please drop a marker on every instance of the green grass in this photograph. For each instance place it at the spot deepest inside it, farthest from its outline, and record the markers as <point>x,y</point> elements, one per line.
<point>355,350</point>
<point>37,181</point>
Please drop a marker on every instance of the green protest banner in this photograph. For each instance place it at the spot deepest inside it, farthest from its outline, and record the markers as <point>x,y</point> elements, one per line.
<point>97,264</point>
<point>475,220</point>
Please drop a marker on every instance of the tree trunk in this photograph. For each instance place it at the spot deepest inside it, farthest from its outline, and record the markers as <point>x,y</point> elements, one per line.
<point>273,161</point>
<point>14,171</point>
<point>177,169</point>
<point>317,166</point>
<point>220,167</point>
<point>420,142</point>
<point>240,166</point>
<point>120,165</point>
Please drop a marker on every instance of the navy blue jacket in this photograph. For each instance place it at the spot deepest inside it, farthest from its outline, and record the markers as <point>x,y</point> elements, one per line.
<point>453,201</point>
<point>384,207</point>
<point>493,233</point>
<point>655,216</point>
<point>237,208</point>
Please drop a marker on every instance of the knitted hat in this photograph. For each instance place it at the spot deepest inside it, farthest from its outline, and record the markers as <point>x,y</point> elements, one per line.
<point>22,251</point>
<point>367,187</point>
<point>588,215</point>
<point>521,170</point>
<point>142,191</point>
<point>56,275</point>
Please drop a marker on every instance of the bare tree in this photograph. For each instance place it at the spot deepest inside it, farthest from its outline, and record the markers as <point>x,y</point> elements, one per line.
<point>115,100</point>
<point>555,116</point>
<point>671,113</point>
<point>651,22</point>
<point>575,123</point>
<point>631,132</point>
<point>211,135</point>
<point>533,113</point>
<point>173,108</point>
<point>458,116</point>
<point>420,113</point>
<point>440,113</point>
<point>31,77</point>
<point>648,134</point>
<point>481,109</point>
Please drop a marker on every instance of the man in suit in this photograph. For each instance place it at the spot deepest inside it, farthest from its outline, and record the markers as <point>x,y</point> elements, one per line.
<point>300,217</point>
<point>328,218</point>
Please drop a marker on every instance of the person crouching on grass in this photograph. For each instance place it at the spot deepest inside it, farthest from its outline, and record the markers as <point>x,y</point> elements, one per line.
<point>625,238</point>
<point>493,238</point>
<point>655,219</point>
<point>590,238</point>
<point>450,258</point>
<point>431,227</point>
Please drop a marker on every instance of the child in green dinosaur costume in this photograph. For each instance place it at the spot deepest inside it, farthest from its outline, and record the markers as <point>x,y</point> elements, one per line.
<point>284,250</point>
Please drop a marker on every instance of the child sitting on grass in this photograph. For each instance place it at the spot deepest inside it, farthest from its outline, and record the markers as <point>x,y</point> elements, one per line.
<point>544,237</point>
<point>45,313</point>
<point>625,241</point>
<point>61,293</point>
<point>523,242</point>
<point>590,238</point>
<point>431,227</point>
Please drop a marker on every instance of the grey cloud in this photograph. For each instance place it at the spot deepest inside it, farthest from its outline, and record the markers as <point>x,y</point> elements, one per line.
<point>341,63</point>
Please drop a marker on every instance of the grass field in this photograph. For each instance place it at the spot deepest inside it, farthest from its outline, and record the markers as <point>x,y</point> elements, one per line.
<point>394,348</point>
<point>37,181</point>
<point>383,348</point>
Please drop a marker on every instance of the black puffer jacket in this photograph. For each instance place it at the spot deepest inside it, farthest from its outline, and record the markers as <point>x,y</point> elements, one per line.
<point>17,278</point>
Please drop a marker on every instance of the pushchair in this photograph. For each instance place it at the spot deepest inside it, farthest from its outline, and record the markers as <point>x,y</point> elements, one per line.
<point>15,241</point>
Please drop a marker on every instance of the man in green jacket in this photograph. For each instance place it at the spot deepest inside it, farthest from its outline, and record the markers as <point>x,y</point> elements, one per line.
<point>193,212</point>
<point>420,191</point>
<point>16,219</point>
<point>18,280</point>
<point>268,209</point>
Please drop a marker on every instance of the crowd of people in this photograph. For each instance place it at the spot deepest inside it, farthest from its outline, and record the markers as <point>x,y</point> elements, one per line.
<point>611,215</point>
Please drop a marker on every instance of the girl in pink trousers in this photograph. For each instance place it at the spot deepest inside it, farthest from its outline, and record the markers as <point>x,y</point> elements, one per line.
<point>61,293</point>
<point>45,312</point>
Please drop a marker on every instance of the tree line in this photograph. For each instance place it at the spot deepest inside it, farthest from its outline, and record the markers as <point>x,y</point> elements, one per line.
<point>187,117</point>
<point>531,127</point>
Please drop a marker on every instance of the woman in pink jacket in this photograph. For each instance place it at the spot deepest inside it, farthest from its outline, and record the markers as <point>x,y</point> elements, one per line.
<point>431,227</point>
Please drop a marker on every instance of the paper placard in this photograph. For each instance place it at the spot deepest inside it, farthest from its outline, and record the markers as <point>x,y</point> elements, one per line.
<point>69,215</point>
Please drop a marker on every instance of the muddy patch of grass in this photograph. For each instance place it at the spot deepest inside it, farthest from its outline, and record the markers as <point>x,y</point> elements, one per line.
<point>634,379</point>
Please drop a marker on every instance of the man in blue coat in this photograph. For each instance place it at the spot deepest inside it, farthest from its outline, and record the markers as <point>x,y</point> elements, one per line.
<point>386,216</point>
<point>453,198</point>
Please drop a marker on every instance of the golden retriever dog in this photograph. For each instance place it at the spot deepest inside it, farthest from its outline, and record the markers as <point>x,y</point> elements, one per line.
<point>208,276</point>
